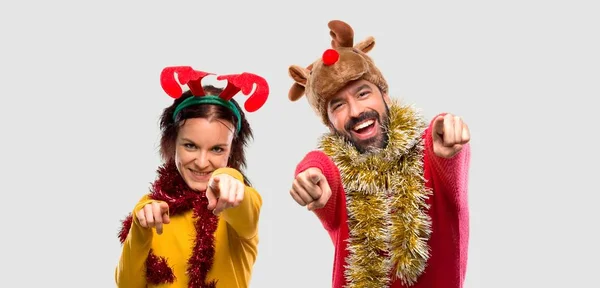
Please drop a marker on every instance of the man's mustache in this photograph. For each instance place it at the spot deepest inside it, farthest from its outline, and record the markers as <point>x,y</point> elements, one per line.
<point>371,114</point>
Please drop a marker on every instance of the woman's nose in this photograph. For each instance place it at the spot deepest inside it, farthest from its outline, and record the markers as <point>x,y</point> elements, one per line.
<point>201,160</point>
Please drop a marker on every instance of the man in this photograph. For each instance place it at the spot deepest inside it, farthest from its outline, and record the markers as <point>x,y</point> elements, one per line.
<point>390,190</point>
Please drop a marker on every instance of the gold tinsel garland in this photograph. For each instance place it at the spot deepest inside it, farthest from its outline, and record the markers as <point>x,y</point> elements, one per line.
<point>386,203</point>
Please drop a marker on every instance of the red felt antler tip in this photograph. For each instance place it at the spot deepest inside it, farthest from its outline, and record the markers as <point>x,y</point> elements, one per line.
<point>330,56</point>
<point>186,76</point>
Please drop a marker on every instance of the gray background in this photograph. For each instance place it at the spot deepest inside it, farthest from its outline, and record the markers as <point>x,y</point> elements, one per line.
<point>81,99</point>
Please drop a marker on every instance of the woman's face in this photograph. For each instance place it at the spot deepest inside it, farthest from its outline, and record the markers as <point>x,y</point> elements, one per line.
<point>202,146</point>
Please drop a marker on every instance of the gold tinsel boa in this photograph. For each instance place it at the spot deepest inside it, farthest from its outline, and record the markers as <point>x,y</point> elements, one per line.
<point>386,203</point>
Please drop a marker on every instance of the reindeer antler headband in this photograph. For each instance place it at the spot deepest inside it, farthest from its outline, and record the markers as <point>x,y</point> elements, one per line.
<point>235,82</point>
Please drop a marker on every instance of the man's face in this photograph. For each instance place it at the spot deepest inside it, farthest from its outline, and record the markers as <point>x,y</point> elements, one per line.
<point>359,113</point>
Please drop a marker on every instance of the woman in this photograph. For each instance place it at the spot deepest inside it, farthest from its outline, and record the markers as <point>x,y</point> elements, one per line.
<point>198,227</point>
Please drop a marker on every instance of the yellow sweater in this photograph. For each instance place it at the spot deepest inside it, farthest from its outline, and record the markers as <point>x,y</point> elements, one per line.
<point>236,241</point>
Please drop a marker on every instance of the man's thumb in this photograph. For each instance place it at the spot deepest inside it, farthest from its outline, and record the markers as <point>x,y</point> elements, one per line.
<point>438,125</point>
<point>314,177</point>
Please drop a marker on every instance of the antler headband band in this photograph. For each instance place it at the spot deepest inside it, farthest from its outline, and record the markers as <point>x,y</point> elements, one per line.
<point>235,82</point>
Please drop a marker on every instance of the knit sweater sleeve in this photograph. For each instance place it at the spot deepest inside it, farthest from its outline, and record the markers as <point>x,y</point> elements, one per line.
<point>317,159</point>
<point>137,245</point>
<point>452,173</point>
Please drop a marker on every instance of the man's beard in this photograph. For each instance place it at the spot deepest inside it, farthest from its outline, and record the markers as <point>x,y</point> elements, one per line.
<point>364,146</point>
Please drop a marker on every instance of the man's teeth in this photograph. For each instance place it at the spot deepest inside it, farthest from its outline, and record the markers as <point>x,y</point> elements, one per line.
<point>363,125</point>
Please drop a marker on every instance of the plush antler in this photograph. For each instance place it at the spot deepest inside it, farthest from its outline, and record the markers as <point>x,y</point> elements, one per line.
<point>341,33</point>
<point>245,82</point>
<point>186,76</point>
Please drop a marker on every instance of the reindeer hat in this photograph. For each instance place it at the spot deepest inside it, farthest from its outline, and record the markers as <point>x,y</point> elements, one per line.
<point>343,63</point>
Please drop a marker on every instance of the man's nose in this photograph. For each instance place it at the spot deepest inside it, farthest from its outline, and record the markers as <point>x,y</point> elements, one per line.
<point>355,109</point>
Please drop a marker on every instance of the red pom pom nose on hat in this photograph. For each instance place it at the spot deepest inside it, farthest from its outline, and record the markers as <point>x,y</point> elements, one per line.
<point>330,57</point>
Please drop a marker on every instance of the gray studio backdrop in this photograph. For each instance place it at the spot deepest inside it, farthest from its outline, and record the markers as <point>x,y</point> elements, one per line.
<point>81,100</point>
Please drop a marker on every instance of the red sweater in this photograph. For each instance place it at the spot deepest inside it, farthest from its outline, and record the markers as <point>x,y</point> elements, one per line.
<point>449,215</point>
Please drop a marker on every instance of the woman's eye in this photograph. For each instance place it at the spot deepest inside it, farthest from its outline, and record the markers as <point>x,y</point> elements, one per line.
<point>218,149</point>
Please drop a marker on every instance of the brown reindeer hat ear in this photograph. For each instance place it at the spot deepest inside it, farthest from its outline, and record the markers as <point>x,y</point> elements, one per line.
<point>300,76</point>
<point>342,63</point>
